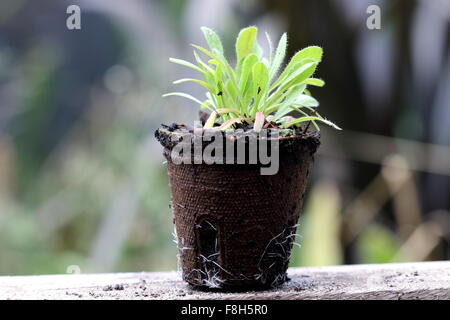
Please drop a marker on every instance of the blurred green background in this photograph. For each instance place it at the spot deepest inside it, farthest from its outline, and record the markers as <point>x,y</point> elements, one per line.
<point>82,179</point>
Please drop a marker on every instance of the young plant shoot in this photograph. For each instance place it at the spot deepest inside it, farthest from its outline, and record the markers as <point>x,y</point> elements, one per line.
<point>256,91</point>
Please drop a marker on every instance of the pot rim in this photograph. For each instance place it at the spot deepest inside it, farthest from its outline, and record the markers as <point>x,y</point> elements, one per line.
<point>176,135</point>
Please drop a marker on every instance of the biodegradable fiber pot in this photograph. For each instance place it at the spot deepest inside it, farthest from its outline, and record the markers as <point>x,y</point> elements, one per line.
<point>236,227</point>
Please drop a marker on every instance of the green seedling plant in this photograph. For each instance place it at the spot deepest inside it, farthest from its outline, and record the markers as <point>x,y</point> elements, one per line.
<point>256,91</point>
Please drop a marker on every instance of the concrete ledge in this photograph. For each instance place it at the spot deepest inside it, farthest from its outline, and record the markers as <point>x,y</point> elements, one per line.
<point>424,280</point>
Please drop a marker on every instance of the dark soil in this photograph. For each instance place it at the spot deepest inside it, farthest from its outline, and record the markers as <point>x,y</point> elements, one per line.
<point>292,142</point>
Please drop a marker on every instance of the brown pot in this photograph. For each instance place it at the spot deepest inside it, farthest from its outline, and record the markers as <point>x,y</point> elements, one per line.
<point>235,227</point>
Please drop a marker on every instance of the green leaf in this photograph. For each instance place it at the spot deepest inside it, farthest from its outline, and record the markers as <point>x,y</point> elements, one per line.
<point>269,42</point>
<point>207,105</point>
<point>303,72</point>
<point>213,40</point>
<point>289,71</point>
<point>184,95</point>
<point>312,118</point>
<point>227,110</point>
<point>218,78</point>
<point>229,87</point>
<point>294,107</point>
<point>314,82</point>
<point>291,95</point>
<point>227,68</point>
<point>207,86</point>
<point>202,65</point>
<point>309,54</point>
<point>306,101</point>
<point>185,63</point>
<point>279,56</point>
<point>205,51</point>
<point>247,67</point>
<point>312,52</point>
<point>258,50</point>
<point>218,74</point>
<point>245,42</point>
<point>212,100</point>
<point>272,108</point>
<point>260,76</point>
<point>295,78</point>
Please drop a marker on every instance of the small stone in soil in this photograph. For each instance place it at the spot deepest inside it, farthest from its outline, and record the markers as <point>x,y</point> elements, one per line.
<point>118,287</point>
<point>115,287</point>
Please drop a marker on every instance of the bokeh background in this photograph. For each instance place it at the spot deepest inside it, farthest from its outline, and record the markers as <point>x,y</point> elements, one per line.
<point>83,186</point>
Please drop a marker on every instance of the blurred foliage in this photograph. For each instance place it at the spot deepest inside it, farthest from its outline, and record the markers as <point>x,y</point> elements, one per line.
<point>377,245</point>
<point>319,231</point>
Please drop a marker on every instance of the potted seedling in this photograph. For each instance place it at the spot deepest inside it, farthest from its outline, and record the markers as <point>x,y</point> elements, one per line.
<point>239,176</point>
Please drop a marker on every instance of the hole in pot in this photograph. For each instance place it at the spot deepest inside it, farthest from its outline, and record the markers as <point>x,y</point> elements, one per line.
<point>208,244</point>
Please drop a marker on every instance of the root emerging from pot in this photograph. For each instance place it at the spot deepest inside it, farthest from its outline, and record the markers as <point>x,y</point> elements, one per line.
<point>209,276</point>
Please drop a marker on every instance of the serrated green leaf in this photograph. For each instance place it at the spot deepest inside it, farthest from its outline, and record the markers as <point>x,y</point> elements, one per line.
<point>295,71</point>
<point>270,44</point>
<point>309,54</point>
<point>313,53</point>
<point>279,56</point>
